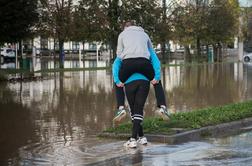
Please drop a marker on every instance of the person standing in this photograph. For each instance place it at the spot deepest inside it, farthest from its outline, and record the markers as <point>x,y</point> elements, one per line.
<point>134,49</point>
<point>137,88</point>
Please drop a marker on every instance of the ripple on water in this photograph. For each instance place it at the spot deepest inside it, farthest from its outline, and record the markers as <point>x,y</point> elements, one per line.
<point>88,150</point>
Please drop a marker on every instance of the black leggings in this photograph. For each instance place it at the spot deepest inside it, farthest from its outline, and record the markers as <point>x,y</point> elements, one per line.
<point>136,65</point>
<point>136,93</point>
<point>142,66</point>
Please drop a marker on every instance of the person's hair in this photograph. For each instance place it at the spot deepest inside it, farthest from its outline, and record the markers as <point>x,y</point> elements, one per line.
<point>129,23</point>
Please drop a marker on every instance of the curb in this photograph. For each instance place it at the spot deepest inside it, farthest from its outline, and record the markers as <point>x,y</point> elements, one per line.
<point>224,129</point>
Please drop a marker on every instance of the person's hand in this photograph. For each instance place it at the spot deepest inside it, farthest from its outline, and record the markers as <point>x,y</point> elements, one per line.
<point>120,84</point>
<point>154,82</point>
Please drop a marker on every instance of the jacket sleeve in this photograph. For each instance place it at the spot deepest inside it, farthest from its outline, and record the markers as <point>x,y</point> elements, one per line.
<point>155,63</point>
<point>115,70</point>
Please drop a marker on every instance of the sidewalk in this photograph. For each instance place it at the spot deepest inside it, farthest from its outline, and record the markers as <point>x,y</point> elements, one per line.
<point>220,130</point>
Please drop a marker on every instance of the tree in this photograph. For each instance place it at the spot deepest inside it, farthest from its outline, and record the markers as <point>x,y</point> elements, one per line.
<point>57,19</point>
<point>182,27</point>
<point>200,22</point>
<point>146,13</point>
<point>246,27</point>
<point>226,27</point>
<point>190,23</point>
<point>97,20</point>
<point>90,21</point>
<point>17,19</point>
<point>101,20</point>
<point>114,22</point>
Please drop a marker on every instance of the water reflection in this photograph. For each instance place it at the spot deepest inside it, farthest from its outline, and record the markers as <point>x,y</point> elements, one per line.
<point>55,120</point>
<point>200,86</point>
<point>36,64</point>
<point>233,150</point>
<point>17,129</point>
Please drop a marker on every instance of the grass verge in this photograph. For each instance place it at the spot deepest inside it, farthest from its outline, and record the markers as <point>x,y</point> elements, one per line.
<point>191,120</point>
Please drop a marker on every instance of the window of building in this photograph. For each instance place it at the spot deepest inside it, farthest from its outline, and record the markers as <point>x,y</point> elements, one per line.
<point>92,46</point>
<point>44,43</point>
<point>75,45</point>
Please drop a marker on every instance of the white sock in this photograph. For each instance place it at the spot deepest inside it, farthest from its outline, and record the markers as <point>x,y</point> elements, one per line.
<point>121,107</point>
<point>162,106</point>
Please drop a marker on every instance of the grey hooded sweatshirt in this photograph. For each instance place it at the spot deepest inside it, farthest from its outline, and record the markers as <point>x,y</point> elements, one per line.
<point>133,42</point>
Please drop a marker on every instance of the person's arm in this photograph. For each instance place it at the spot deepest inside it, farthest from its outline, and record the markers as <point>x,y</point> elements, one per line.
<point>119,49</point>
<point>115,70</point>
<point>149,44</point>
<point>155,63</point>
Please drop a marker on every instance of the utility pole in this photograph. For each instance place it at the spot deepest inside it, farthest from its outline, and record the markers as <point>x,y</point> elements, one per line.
<point>240,41</point>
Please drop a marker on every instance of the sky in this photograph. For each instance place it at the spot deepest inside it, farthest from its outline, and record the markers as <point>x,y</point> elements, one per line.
<point>245,3</point>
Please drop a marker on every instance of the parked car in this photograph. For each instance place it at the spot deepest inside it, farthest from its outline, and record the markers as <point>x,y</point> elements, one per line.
<point>7,53</point>
<point>8,65</point>
<point>247,57</point>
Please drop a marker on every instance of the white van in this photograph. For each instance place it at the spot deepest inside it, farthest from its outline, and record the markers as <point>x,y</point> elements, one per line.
<point>7,53</point>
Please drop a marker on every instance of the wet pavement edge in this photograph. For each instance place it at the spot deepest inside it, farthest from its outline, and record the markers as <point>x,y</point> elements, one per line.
<point>220,130</point>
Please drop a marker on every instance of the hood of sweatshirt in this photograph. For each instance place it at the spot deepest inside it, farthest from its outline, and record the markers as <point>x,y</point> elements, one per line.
<point>134,28</point>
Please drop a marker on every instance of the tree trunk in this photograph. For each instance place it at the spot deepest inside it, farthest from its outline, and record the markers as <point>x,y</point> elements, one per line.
<point>61,53</point>
<point>113,46</point>
<point>83,52</point>
<point>54,53</point>
<point>198,48</point>
<point>83,57</point>
<point>54,45</point>
<point>215,51</point>
<point>208,53</point>
<point>20,49</point>
<point>188,56</point>
<point>163,52</point>
<point>112,50</point>
<point>113,14</point>
<point>220,52</point>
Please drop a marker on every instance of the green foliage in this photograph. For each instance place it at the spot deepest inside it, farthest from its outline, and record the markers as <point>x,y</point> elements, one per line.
<point>114,24</point>
<point>102,20</point>
<point>246,26</point>
<point>90,21</point>
<point>192,120</point>
<point>206,22</point>
<point>145,13</point>
<point>56,19</point>
<point>17,18</point>
<point>226,26</point>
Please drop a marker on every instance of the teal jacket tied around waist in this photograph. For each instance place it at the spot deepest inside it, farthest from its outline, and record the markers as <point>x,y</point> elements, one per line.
<point>137,76</point>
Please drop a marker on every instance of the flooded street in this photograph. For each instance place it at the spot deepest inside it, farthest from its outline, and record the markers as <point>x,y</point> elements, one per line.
<point>36,63</point>
<point>54,121</point>
<point>233,151</point>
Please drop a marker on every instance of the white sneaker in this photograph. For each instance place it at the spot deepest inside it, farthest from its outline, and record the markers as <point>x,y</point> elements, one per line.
<point>120,115</point>
<point>163,113</point>
<point>131,143</point>
<point>142,140</point>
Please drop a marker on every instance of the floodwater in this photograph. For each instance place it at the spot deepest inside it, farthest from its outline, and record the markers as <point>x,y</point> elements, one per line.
<point>232,151</point>
<point>55,121</point>
<point>36,63</point>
